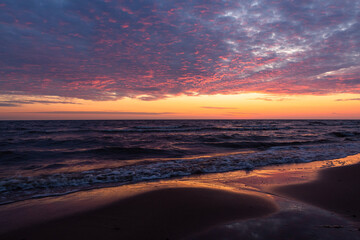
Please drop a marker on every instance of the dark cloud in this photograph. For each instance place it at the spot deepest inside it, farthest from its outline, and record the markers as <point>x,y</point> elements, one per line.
<point>103,50</point>
<point>104,112</point>
<point>348,99</point>
<point>15,103</point>
<point>8,104</point>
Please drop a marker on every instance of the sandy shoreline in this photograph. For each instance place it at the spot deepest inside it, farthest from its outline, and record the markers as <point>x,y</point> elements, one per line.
<point>336,189</point>
<point>162,214</point>
<point>231,205</point>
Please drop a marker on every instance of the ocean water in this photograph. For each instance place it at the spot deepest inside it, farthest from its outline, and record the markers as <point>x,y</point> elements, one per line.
<point>44,158</point>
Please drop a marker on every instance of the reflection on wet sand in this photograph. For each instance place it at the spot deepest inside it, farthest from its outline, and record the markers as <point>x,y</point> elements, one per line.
<point>229,205</point>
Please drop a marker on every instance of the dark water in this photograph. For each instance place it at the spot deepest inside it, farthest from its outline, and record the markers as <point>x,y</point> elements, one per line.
<point>41,158</point>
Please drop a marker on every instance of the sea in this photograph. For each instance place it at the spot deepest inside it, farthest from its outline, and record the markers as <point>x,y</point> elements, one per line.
<point>49,158</point>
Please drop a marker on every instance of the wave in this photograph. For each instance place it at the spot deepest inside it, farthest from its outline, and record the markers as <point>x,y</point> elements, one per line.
<point>333,123</point>
<point>260,145</point>
<point>131,152</point>
<point>20,188</point>
<point>344,134</point>
<point>107,152</point>
<point>153,129</point>
<point>99,148</point>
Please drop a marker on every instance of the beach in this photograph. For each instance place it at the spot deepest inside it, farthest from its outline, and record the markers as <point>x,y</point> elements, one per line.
<point>317,200</point>
<point>336,189</point>
<point>193,120</point>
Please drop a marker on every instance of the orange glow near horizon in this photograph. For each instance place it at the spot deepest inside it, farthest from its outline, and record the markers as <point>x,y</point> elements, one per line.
<point>240,106</point>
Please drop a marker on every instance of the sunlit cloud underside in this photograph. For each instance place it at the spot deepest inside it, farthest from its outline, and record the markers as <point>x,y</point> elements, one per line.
<point>107,50</point>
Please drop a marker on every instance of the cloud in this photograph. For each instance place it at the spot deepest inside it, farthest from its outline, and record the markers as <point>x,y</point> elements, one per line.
<point>14,99</point>
<point>19,102</point>
<point>348,99</point>
<point>105,112</point>
<point>8,104</point>
<point>107,50</point>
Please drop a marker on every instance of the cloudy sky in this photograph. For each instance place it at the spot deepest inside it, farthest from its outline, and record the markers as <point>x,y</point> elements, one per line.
<point>217,58</point>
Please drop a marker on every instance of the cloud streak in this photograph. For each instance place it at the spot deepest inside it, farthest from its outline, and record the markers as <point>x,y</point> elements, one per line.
<point>14,99</point>
<point>105,112</point>
<point>16,103</point>
<point>106,50</point>
<point>347,99</point>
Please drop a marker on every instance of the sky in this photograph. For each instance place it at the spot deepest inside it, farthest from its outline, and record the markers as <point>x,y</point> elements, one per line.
<point>160,59</point>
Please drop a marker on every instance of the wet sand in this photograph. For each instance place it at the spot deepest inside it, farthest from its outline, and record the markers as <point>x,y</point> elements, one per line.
<point>268,203</point>
<point>161,214</point>
<point>336,189</point>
